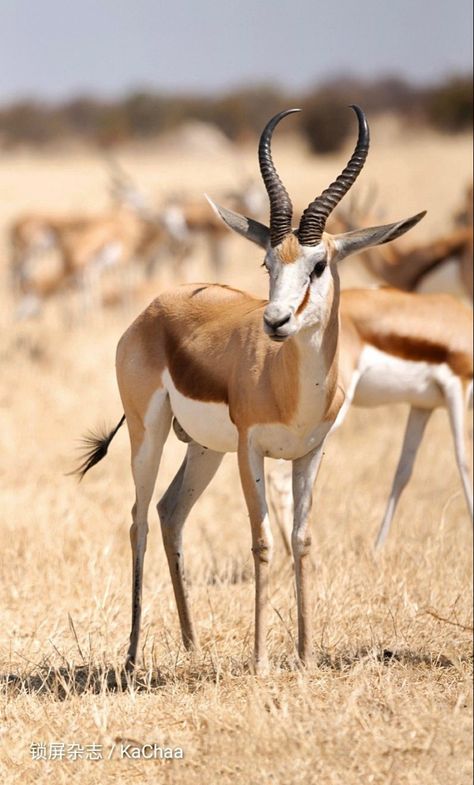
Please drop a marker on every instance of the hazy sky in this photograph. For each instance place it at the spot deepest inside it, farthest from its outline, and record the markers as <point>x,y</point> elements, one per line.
<point>53,48</point>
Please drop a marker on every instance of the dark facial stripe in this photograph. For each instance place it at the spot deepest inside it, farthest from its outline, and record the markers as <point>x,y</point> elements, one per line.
<point>304,301</point>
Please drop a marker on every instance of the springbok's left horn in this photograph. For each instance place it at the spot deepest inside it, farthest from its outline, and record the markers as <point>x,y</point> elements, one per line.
<point>316,214</point>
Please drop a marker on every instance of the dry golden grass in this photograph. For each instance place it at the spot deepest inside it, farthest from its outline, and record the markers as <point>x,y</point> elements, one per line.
<point>388,699</point>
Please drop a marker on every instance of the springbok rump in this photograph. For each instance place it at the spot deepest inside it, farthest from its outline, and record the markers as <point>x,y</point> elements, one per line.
<point>259,378</point>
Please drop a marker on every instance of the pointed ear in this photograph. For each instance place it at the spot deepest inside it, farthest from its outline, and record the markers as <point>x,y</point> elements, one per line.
<point>352,242</point>
<point>253,230</point>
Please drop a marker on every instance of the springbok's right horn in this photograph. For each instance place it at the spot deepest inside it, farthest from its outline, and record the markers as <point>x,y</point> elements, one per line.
<point>281,209</point>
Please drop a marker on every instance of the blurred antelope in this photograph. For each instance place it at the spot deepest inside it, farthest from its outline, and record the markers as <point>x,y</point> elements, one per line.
<point>85,246</point>
<point>178,240</point>
<point>187,219</point>
<point>407,267</point>
<point>242,375</point>
<point>32,235</point>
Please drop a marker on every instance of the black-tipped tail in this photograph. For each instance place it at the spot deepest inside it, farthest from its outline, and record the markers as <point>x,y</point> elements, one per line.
<point>95,446</point>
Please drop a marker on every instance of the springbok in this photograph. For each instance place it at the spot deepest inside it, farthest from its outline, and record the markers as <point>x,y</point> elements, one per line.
<point>184,217</point>
<point>243,375</point>
<point>408,266</point>
<point>85,245</point>
<point>190,218</point>
<point>31,235</point>
<point>180,219</point>
<point>398,347</point>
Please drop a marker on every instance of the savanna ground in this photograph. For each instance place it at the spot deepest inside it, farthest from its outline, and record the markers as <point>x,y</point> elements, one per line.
<point>388,699</point>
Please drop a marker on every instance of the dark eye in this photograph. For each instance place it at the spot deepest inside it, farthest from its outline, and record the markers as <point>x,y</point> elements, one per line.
<point>318,269</point>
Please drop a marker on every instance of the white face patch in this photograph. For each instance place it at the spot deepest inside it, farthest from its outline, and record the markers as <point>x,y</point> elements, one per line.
<point>299,290</point>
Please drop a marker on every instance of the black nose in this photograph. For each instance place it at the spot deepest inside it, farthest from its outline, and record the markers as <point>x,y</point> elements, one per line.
<point>274,324</point>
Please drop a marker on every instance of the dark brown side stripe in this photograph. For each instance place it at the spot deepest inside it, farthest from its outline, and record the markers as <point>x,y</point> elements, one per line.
<point>421,350</point>
<point>190,376</point>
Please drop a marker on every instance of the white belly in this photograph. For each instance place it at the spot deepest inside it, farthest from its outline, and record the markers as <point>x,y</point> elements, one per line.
<point>387,379</point>
<point>208,424</point>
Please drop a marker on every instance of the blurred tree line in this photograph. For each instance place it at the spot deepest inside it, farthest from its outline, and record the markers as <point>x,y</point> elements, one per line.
<point>240,114</point>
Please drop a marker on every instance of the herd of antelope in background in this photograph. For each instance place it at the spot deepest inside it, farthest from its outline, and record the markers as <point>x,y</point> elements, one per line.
<point>135,235</point>
<point>131,237</point>
<point>274,378</point>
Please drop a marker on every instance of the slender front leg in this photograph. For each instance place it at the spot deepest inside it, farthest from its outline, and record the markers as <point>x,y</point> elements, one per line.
<point>253,484</point>
<point>279,480</point>
<point>305,471</point>
<point>196,472</point>
<point>417,422</point>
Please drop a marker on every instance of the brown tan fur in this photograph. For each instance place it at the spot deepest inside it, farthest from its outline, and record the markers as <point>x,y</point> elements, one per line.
<point>289,249</point>
<point>304,301</point>
<point>210,337</point>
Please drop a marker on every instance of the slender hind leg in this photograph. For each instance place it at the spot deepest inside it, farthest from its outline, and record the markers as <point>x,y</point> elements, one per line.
<point>281,501</point>
<point>455,403</point>
<point>196,472</point>
<point>415,428</point>
<point>147,440</point>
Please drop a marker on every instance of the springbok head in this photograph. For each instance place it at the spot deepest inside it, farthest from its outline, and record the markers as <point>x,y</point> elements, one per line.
<point>302,262</point>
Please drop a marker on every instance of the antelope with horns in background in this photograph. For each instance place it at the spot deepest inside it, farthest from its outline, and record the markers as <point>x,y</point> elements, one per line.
<point>188,219</point>
<point>409,266</point>
<point>243,375</point>
<point>398,347</point>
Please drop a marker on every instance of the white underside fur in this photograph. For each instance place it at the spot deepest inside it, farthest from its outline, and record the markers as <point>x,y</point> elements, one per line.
<point>386,379</point>
<point>209,424</point>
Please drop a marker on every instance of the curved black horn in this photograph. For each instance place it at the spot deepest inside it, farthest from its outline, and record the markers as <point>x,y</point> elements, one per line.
<point>316,214</point>
<point>281,209</point>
